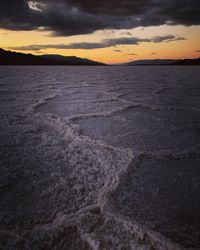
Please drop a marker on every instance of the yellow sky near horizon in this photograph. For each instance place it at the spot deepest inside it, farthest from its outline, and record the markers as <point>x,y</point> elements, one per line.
<point>147,50</point>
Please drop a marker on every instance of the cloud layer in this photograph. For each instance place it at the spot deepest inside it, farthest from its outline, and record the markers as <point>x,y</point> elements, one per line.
<point>73,17</point>
<point>105,43</point>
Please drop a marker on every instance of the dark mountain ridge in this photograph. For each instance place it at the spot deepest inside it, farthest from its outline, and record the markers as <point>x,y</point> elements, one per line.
<point>195,61</point>
<point>15,58</point>
<point>155,62</point>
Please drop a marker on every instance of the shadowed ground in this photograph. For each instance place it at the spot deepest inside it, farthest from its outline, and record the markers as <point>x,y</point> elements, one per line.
<point>99,158</point>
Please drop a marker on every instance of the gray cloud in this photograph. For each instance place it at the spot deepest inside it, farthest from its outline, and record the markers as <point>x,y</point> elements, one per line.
<point>117,50</point>
<point>103,44</point>
<point>198,51</point>
<point>131,54</point>
<point>167,38</point>
<point>73,17</point>
<point>126,33</point>
<point>177,39</point>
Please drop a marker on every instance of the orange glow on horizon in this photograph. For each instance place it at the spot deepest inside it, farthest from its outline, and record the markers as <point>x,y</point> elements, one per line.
<point>146,50</point>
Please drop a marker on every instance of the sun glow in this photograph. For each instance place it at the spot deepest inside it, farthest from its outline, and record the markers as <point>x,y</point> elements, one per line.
<point>115,54</point>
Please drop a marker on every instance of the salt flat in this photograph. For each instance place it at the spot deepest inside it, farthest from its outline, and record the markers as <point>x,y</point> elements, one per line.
<point>100,157</point>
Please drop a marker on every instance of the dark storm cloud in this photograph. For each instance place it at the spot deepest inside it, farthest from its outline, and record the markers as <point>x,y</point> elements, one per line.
<point>72,17</point>
<point>16,15</point>
<point>105,43</point>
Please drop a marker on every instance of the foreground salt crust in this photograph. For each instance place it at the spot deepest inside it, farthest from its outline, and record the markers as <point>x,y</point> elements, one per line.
<point>70,182</point>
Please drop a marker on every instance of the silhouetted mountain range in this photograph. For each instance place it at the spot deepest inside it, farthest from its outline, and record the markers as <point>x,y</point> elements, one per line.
<point>14,58</point>
<point>188,62</point>
<point>164,62</point>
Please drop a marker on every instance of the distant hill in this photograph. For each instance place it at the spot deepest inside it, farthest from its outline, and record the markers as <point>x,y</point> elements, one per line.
<point>71,60</point>
<point>151,62</point>
<point>164,62</point>
<point>14,58</point>
<point>188,62</point>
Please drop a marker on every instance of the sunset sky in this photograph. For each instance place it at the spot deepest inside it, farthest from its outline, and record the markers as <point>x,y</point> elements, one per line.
<point>106,31</point>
